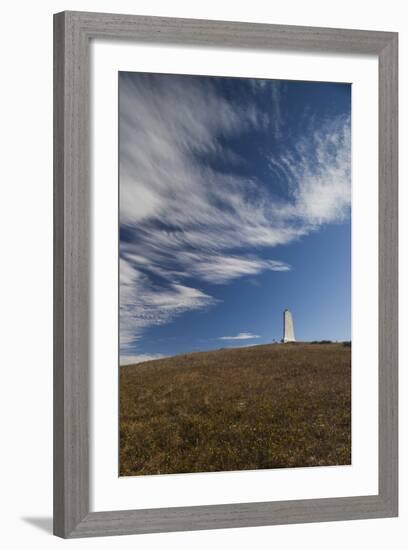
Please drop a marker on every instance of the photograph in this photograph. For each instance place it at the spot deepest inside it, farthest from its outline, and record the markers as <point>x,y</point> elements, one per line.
<point>235,295</point>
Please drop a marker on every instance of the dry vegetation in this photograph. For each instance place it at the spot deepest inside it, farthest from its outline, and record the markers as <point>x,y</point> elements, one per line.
<point>272,406</point>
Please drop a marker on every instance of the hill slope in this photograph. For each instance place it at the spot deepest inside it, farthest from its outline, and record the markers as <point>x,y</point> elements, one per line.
<point>269,406</point>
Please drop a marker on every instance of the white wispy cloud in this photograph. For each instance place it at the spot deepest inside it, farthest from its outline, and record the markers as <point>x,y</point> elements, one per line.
<point>240,336</point>
<point>319,172</point>
<point>144,303</point>
<point>187,221</point>
<point>272,89</point>
<point>221,268</point>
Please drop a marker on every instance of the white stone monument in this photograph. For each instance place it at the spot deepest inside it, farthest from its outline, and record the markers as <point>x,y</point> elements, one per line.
<point>288,330</point>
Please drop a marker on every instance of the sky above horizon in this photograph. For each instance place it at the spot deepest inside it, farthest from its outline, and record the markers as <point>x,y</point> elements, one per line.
<point>235,198</point>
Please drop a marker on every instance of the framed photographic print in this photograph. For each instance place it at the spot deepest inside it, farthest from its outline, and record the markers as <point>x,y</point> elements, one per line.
<point>225,274</point>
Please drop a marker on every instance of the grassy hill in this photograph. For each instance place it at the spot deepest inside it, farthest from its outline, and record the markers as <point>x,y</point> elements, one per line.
<point>272,406</point>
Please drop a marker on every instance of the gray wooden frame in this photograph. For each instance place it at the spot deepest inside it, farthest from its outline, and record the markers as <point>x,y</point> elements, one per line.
<point>72,33</point>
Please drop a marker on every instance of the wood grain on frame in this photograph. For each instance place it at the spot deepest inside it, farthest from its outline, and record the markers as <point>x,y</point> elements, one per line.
<point>72,32</point>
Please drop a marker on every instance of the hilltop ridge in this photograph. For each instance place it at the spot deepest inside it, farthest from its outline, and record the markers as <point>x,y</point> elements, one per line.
<point>266,406</point>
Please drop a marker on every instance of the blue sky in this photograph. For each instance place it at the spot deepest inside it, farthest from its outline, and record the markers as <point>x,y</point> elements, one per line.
<point>234,205</point>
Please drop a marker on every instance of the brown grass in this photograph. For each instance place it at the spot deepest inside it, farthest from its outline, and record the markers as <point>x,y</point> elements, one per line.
<point>272,406</point>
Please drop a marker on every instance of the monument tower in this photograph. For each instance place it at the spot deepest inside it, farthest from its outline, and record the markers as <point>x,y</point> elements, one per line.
<point>288,330</point>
